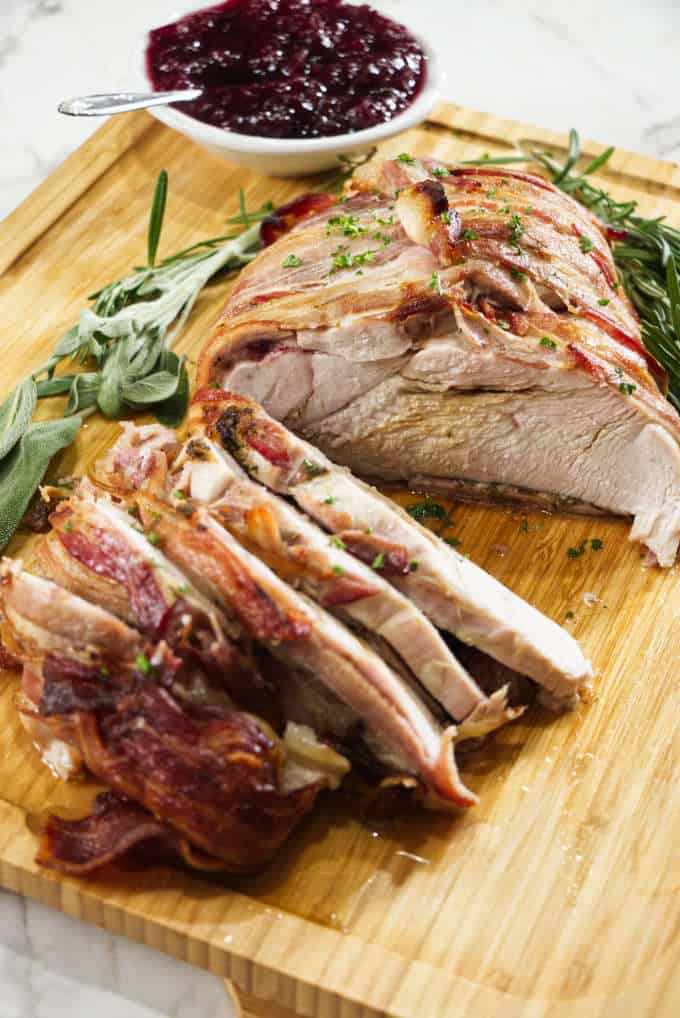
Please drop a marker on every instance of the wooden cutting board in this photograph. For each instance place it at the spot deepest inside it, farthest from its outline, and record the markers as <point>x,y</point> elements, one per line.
<point>558,894</point>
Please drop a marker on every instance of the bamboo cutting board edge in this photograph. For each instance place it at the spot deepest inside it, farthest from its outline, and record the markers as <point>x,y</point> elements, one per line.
<point>300,966</point>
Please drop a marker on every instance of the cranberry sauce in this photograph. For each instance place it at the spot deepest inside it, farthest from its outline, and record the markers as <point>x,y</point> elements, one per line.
<point>289,68</point>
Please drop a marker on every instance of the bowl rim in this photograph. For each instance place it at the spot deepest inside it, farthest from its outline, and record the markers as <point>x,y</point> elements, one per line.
<point>208,134</point>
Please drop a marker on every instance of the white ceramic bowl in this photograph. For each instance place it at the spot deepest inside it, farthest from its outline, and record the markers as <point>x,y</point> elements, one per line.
<point>293,157</point>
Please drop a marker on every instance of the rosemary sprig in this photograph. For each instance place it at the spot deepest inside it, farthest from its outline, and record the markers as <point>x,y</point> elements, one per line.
<point>647,251</point>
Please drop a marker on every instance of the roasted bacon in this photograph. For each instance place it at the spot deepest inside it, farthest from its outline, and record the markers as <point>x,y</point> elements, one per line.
<point>459,324</point>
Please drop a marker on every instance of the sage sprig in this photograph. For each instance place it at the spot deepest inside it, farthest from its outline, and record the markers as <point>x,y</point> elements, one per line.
<point>646,251</point>
<point>118,357</point>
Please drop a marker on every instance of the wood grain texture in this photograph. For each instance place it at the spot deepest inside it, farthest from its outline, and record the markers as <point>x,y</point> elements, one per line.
<point>558,895</point>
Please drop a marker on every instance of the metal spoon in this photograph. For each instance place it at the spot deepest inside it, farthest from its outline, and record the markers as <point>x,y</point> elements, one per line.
<point>122,102</point>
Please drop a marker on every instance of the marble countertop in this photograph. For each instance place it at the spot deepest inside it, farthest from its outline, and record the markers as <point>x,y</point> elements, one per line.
<point>608,67</point>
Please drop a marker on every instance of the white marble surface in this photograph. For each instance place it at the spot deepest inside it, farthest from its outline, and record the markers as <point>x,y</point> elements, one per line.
<point>609,67</point>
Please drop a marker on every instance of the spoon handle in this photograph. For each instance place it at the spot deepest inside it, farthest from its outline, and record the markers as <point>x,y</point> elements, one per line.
<point>121,102</point>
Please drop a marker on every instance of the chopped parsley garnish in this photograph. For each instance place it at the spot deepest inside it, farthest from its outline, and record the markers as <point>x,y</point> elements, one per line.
<point>595,545</point>
<point>436,283</point>
<point>446,217</point>
<point>603,301</point>
<point>337,542</point>
<point>338,570</point>
<point>426,511</point>
<point>404,157</point>
<point>379,560</point>
<point>453,541</point>
<point>516,228</point>
<point>619,372</point>
<point>329,501</point>
<point>180,494</point>
<point>413,565</point>
<point>518,274</point>
<point>585,243</point>
<point>547,341</point>
<point>313,469</point>
<point>344,259</point>
<point>440,171</point>
<point>69,526</point>
<point>503,324</point>
<point>385,222</point>
<point>291,261</point>
<point>492,193</point>
<point>470,235</point>
<point>627,387</point>
<point>143,664</point>
<point>347,225</point>
<point>569,615</point>
<point>342,199</point>
<point>153,538</point>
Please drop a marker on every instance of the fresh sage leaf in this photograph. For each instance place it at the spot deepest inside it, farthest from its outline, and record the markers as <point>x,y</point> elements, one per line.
<point>152,389</point>
<point>67,346</point>
<point>15,414</point>
<point>54,386</point>
<point>83,392</point>
<point>24,468</point>
<point>109,399</point>
<point>156,218</point>
<point>171,412</point>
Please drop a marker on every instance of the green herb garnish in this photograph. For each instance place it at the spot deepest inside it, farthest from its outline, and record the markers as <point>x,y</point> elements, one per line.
<point>379,560</point>
<point>516,228</point>
<point>470,235</point>
<point>436,283</point>
<point>343,258</point>
<point>143,664</point>
<point>291,261</point>
<point>627,387</point>
<point>585,243</point>
<point>426,511</point>
<point>547,341</point>
<point>404,157</point>
<point>313,469</point>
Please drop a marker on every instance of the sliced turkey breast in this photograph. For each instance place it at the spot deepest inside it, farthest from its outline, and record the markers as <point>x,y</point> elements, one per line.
<point>303,554</point>
<point>459,323</point>
<point>404,732</point>
<point>457,595</point>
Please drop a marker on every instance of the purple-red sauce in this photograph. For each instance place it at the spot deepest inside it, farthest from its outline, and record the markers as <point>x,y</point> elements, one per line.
<point>289,68</point>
